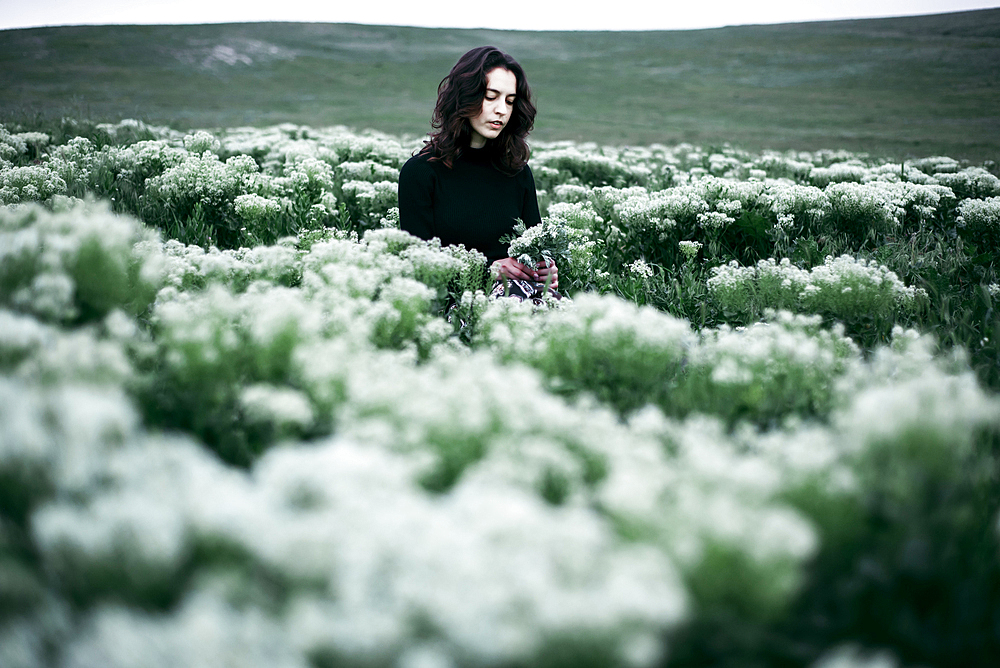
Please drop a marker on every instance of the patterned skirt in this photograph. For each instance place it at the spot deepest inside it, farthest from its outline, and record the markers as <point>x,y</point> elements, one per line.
<point>522,290</point>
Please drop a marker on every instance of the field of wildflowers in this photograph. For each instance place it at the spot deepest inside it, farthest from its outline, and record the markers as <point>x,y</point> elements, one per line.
<point>246,420</point>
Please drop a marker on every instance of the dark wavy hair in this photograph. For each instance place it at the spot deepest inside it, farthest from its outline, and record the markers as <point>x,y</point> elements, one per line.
<point>460,97</point>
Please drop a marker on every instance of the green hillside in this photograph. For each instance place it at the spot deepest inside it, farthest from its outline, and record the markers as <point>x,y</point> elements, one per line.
<point>904,87</point>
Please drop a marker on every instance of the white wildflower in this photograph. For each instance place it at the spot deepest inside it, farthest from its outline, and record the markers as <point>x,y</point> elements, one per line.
<point>640,269</point>
<point>689,249</point>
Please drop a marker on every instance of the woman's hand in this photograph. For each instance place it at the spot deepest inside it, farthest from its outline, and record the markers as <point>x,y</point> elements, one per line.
<point>548,272</point>
<point>543,272</point>
<point>511,268</point>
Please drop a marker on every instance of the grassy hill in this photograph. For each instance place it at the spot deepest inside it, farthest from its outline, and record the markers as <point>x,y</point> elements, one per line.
<point>902,87</point>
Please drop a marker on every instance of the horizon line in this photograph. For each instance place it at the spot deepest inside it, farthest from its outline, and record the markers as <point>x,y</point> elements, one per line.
<point>531,30</point>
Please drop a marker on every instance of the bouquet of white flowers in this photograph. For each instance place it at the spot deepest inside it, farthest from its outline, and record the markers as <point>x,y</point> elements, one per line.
<point>550,241</point>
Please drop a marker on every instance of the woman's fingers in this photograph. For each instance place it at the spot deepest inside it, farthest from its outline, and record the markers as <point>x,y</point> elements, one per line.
<point>520,272</point>
<point>547,272</point>
<point>511,268</point>
<point>542,273</point>
<point>519,275</point>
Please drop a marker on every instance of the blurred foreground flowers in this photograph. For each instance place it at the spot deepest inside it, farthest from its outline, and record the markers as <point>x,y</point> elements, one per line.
<point>293,453</point>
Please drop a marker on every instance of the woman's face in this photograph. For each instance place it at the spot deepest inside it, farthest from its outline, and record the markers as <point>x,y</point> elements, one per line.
<point>498,104</point>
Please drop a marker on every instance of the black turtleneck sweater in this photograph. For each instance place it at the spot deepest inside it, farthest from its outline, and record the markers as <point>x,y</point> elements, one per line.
<point>472,203</point>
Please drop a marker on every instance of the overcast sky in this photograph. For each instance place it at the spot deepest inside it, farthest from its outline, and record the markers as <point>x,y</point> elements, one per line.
<point>501,14</point>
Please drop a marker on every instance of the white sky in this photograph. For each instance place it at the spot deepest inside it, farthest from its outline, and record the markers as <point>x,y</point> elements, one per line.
<point>506,14</point>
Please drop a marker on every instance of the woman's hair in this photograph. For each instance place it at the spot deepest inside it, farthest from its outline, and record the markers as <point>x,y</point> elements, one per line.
<point>460,97</point>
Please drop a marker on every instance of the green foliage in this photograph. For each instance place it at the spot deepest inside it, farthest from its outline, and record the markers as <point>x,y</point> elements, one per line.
<point>623,355</point>
<point>869,300</point>
<point>922,576</point>
<point>66,267</point>
<point>765,373</point>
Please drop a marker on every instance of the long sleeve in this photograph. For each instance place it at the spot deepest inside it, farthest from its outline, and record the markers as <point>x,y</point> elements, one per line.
<point>416,199</point>
<point>529,208</point>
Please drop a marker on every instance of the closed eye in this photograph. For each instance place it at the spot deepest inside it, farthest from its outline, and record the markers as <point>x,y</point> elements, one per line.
<point>494,94</point>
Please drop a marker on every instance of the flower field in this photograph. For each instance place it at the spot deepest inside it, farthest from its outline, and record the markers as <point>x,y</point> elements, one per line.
<point>247,421</point>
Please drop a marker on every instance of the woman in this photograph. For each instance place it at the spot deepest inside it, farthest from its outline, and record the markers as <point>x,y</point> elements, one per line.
<point>471,182</point>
